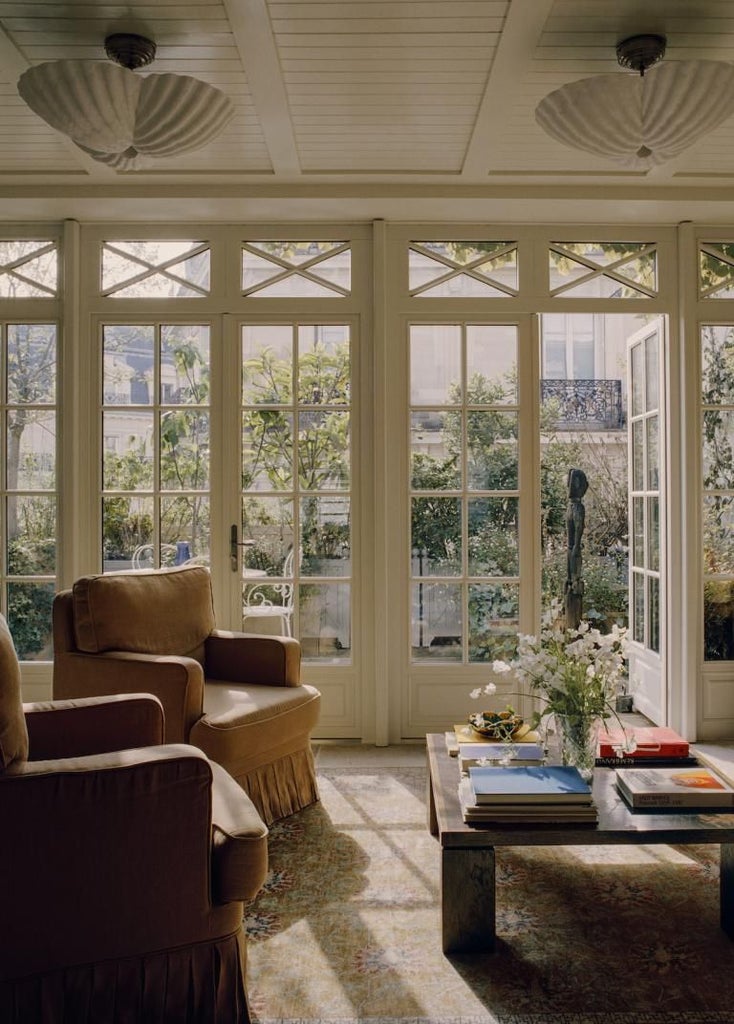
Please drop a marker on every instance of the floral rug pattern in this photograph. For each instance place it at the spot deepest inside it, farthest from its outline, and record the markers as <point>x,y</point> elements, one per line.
<point>347,927</point>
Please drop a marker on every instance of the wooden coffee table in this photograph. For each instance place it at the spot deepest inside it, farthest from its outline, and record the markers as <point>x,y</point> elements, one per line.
<point>468,858</point>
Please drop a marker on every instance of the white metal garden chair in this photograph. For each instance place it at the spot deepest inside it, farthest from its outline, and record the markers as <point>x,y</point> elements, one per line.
<point>263,613</point>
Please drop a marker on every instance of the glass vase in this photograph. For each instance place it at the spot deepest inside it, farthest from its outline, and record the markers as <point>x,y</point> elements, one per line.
<point>578,735</point>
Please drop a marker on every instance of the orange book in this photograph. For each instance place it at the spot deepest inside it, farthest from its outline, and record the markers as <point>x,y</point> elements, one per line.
<point>652,741</point>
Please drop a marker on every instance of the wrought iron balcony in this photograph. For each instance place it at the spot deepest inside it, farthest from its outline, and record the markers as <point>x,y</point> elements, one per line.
<point>585,404</point>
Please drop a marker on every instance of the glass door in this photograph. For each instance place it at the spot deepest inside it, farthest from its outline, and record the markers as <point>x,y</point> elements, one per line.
<point>646,438</point>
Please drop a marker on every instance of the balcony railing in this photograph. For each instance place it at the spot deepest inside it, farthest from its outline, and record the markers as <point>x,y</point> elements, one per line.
<point>585,404</point>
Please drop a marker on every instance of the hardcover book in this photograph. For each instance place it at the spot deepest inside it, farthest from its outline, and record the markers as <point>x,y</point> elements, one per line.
<point>472,754</point>
<point>546,784</point>
<point>696,788</point>
<point>523,814</point>
<point>652,741</point>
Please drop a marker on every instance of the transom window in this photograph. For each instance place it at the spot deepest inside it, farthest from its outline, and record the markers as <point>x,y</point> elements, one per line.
<point>462,269</point>
<point>603,270</point>
<point>296,269</point>
<point>155,269</point>
<point>28,269</point>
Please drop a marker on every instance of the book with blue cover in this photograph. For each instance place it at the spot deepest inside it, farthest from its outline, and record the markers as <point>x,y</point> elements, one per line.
<point>547,784</point>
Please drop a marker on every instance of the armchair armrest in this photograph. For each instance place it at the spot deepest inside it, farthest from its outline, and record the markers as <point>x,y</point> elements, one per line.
<point>112,853</point>
<point>93,725</point>
<point>239,841</point>
<point>178,682</point>
<point>246,658</point>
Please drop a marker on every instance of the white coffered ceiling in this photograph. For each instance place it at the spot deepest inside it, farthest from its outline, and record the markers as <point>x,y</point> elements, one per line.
<point>410,109</point>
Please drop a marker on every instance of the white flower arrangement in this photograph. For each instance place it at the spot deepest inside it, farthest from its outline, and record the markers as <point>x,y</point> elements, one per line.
<point>576,673</point>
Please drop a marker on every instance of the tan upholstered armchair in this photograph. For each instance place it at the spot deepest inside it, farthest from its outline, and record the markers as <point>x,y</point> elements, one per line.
<point>238,697</point>
<point>124,865</point>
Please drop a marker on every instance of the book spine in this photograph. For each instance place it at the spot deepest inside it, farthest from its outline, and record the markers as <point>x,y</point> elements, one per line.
<point>678,800</point>
<point>648,762</point>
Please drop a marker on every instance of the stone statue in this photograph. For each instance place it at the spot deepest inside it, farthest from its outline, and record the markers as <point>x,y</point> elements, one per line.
<point>575,516</point>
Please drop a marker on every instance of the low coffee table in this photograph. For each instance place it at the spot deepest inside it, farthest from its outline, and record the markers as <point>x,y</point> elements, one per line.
<point>467,851</point>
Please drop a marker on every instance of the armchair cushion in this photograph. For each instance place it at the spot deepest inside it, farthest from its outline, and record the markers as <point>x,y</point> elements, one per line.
<point>113,612</point>
<point>13,730</point>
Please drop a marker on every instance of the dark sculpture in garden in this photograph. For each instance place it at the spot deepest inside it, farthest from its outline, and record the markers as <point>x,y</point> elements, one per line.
<point>575,516</point>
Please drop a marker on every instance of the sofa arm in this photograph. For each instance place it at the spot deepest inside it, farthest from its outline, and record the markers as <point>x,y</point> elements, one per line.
<point>108,856</point>
<point>247,658</point>
<point>93,725</point>
<point>240,841</point>
<point>178,682</point>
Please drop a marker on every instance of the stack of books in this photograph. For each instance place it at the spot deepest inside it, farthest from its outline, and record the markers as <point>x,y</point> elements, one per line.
<point>679,789</point>
<point>657,747</point>
<point>471,755</point>
<point>471,747</point>
<point>524,795</point>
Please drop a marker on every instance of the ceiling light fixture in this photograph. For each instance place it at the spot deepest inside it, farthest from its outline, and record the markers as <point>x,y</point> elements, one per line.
<point>121,118</point>
<point>644,119</point>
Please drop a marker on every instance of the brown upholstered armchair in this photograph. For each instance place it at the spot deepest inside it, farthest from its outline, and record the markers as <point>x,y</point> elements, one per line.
<point>238,697</point>
<point>124,865</point>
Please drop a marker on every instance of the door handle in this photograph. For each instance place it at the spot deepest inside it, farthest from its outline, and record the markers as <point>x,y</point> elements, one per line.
<point>234,544</point>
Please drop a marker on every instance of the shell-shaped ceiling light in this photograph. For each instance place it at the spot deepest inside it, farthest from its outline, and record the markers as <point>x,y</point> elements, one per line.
<point>121,118</point>
<point>641,120</point>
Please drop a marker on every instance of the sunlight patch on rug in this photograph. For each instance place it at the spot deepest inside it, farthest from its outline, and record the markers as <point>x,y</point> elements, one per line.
<point>347,928</point>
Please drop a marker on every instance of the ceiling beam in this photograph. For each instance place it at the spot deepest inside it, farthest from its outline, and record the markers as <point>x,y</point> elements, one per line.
<point>254,38</point>
<point>523,26</point>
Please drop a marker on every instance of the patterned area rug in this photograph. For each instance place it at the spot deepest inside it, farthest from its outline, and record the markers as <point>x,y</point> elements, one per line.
<point>347,927</point>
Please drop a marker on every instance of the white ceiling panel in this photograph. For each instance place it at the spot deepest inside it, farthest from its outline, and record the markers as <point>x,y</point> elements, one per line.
<point>367,95</point>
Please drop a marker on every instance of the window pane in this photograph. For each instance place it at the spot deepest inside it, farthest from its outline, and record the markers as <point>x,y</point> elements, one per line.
<point>29,619</point>
<point>267,364</point>
<point>435,454</point>
<point>128,362</point>
<point>718,534</point>
<point>325,538</point>
<point>31,364</point>
<point>267,449</point>
<point>638,607</point>
<point>718,449</point>
<point>638,538</point>
<point>435,365</point>
<point>638,456</point>
<point>323,450</point>
<point>31,535</point>
<point>129,466</point>
<point>652,383</point>
<point>491,364</point>
<point>323,365</point>
<point>324,618</point>
<point>492,457</point>
<point>494,621</point>
<point>127,533</point>
<point>185,525</point>
<point>653,453</point>
<point>653,533</point>
<point>653,612</point>
<point>436,535</point>
<point>184,459</point>
<point>267,533</point>
<point>436,622</point>
<point>718,617</point>
<point>717,356</point>
<point>31,449</point>
<point>493,537</point>
<point>184,364</point>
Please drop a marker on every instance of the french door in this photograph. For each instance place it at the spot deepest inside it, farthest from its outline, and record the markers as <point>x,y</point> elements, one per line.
<point>647,518</point>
